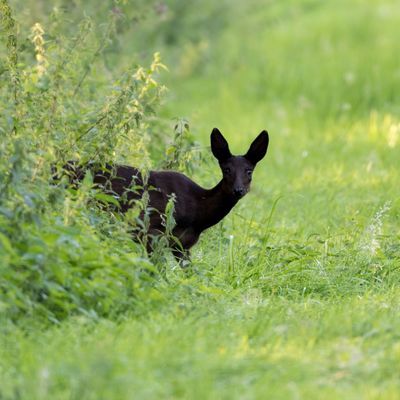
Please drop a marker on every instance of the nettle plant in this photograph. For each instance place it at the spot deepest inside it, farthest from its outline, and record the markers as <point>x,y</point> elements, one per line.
<point>59,253</point>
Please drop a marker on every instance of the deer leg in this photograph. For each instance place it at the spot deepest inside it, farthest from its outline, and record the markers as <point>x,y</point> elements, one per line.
<point>180,248</point>
<point>182,256</point>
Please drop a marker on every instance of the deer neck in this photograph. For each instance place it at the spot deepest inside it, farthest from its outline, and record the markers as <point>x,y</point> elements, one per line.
<point>215,205</point>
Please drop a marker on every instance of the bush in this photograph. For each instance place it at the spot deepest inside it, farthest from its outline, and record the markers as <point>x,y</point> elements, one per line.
<point>59,254</point>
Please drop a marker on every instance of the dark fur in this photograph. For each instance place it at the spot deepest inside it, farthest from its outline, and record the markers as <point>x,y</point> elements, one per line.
<point>196,209</point>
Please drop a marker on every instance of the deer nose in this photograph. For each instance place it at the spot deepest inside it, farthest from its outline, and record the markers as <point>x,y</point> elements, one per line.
<point>239,192</point>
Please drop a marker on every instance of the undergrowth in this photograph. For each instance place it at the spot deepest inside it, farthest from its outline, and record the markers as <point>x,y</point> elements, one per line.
<point>59,254</point>
<point>295,293</point>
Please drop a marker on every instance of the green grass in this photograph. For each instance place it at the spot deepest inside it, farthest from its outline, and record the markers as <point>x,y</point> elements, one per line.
<point>296,293</point>
<point>237,344</point>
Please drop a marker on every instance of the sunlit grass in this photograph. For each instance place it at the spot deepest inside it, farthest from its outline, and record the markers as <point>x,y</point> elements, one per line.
<point>223,347</point>
<point>295,294</point>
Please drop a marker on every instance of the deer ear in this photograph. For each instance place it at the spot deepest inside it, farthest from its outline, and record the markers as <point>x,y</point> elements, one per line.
<point>219,146</point>
<point>258,148</point>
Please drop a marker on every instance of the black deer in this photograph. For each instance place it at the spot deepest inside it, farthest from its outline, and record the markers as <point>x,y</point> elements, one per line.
<point>196,209</point>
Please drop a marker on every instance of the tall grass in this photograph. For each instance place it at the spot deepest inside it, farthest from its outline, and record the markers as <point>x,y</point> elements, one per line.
<point>54,242</point>
<point>295,293</point>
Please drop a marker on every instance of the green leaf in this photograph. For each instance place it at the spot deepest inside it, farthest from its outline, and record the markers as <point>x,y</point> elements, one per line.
<point>106,198</point>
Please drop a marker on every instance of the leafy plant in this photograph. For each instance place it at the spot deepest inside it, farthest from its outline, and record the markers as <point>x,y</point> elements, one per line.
<point>61,255</point>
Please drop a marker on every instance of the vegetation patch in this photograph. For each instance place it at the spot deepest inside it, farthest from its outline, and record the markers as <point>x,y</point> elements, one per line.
<point>295,293</point>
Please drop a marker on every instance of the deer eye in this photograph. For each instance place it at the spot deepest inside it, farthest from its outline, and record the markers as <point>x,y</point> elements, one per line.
<point>249,172</point>
<point>226,170</point>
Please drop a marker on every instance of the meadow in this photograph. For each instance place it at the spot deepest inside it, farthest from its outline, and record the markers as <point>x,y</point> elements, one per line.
<point>296,293</point>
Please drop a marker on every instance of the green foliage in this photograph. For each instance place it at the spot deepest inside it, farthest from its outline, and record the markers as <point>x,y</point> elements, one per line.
<point>60,256</point>
<point>295,294</point>
<point>183,153</point>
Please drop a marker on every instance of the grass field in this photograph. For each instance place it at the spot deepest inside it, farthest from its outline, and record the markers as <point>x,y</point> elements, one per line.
<point>296,294</point>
